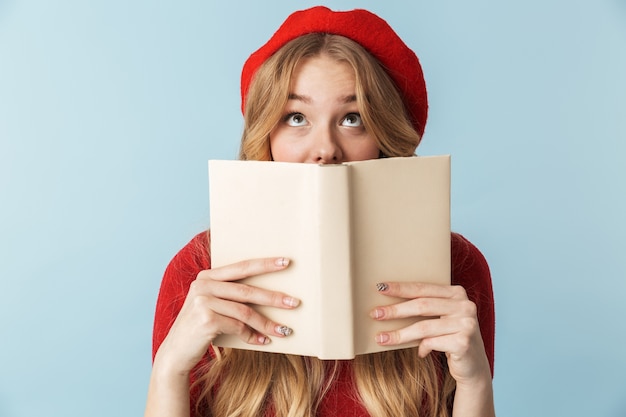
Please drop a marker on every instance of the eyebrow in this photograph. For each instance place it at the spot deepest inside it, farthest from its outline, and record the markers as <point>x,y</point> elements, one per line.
<point>306,99</point>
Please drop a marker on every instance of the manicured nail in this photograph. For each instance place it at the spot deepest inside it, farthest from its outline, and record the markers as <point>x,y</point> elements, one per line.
<point>283,262</point>
<point>382,338</point>
<point>381,286</point>
<point>291,302</point>
<point>284,330</point>
<point>378,313</point>
<point>264,340</point>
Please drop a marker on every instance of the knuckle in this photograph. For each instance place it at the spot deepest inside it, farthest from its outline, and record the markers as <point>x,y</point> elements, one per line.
<point>276,299</point>
<point>204,319</point>
<point>249,337</point>
<point>269,326</point>
<point>246,267</point>
<point>390,311</point>
<point>459,291</point>
<point>241,329</point>
<point>244,291</point>
<point>422,305</point>
<point>199,287</point>
<point>463,345</point>
<point>207,318</point>
<point>469,308</point>
<point>199,301</point>
<point>204,274</point>
<point>201,307</point>
<point>426,344</point>
<point>193,287</point>
<point>418,287</point>
<point>424,327</point>
<point>244,312</point>
<point>469,324</point>
<point>395,337</point>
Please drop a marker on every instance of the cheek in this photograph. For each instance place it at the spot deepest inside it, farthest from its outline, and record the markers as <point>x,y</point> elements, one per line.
<point>374,151</point>
<point>283,150</point>
<point>364,151</point>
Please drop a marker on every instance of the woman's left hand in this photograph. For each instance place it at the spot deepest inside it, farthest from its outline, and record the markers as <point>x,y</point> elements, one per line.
<point>447,323</point>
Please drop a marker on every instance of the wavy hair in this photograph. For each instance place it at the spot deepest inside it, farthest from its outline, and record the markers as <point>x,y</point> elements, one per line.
<point>238,383</point>
<point>378,99</point>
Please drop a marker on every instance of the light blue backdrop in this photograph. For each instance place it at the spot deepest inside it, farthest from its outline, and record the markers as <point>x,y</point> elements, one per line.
<point>110,109</point>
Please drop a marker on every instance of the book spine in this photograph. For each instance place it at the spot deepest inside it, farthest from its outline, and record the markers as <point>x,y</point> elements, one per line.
<point>336,309</point>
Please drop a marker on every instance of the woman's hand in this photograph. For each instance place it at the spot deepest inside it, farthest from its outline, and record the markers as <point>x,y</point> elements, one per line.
<point>448,324</point>
<point>216,304</point>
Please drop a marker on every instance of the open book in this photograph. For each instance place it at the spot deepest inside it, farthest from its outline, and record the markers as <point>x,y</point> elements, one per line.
<point>345,228</point>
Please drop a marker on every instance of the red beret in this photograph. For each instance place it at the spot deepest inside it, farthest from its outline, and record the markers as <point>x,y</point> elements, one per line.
<point>368,30</point>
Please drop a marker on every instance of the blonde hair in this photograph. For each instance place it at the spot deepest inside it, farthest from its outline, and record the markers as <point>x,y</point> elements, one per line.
<point>388,384</point>
<point>378,99</point>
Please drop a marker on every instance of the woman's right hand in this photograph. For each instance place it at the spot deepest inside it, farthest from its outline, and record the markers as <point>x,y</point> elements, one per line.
<point>216,304</point>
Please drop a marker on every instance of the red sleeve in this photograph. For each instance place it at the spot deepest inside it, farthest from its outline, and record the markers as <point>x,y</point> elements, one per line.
<point>179,274</point>
<point>470,270</point>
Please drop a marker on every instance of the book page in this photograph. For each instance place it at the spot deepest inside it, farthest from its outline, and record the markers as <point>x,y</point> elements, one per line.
<point>266,209</point>
<point>401,232</point>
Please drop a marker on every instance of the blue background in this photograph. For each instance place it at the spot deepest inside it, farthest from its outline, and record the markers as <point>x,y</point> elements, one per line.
<point>110,109</point>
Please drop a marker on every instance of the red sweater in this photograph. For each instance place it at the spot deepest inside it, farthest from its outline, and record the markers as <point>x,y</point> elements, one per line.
<point>469,269</point>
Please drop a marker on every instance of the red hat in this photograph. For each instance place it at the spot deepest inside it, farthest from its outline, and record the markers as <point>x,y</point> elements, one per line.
<point>368,30</point>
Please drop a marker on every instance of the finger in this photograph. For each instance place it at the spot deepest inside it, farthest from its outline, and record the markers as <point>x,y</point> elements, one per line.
<point>420,330</point>
<point>244,332</point>
<point>418,290</point>
<point>452,344</point>
<point>245,269</point>
<point>244,293</point>
<point>247,316</point>
<point>425,307</point>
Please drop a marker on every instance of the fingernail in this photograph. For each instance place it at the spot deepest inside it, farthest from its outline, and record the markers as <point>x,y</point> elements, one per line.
<point>291,302</point>
<point>377,313</point>
<point>382,338</point>
<point>381,286</point>
<point>284,330</point>
<point>281,262</point>
<point>264,340</point>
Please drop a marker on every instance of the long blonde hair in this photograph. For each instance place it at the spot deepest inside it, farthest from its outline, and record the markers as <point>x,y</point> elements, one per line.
<point>388,384</point>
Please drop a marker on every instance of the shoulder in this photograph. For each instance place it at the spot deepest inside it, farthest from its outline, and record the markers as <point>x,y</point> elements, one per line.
<point>185,266</point>
<point>193,257</point>
<point>466,260</point>
<point>471,271</point>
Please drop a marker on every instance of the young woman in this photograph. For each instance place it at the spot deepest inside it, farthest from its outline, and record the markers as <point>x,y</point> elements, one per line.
<point>328,87</point>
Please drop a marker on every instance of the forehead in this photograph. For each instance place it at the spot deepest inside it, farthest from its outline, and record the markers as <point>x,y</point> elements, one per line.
<point>320,71</point>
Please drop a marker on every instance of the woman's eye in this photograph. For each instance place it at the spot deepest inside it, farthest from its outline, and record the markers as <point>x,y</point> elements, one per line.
<point>352,120</point>
<point>295,119</point>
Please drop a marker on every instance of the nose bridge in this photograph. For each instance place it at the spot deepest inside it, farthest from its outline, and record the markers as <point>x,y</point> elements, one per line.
<point>326,147</point>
